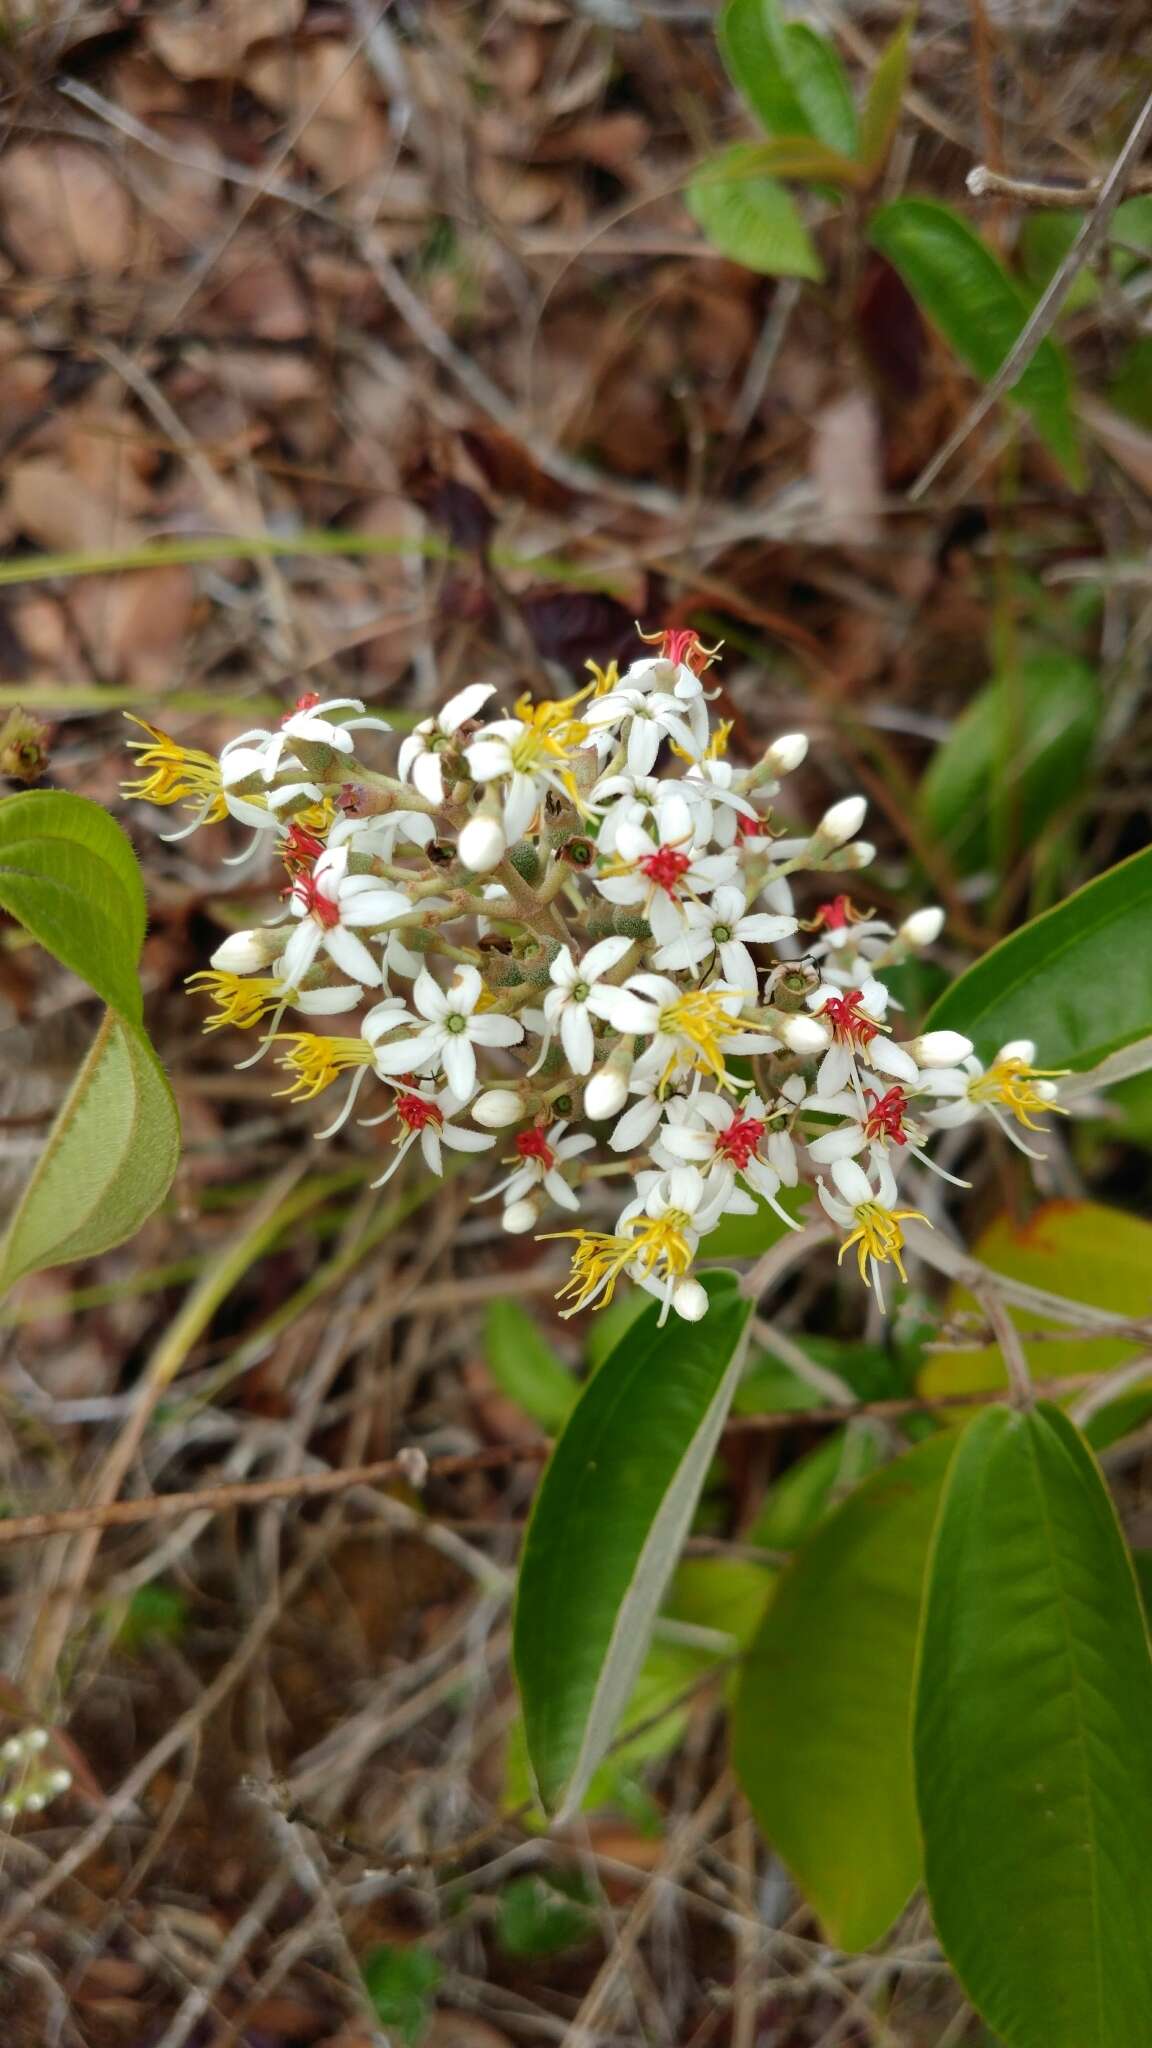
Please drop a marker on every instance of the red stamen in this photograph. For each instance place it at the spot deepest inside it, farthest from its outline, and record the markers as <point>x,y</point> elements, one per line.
<point>300,849</point>
<point>749,828</point>
<point>316,904</point>
<point>682,645</point>
<point>835,916</point>
<point>885,1118</point>
<point>738,1143</point>
<point>534,1145</point>
<point>417,1112</point>
<point>849,1024</point>
<point>665,867</point>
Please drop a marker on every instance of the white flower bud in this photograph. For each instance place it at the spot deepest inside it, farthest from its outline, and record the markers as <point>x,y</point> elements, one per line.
<point>57,1782</point>
<point>860,854</point>
<point>605,1094</point>
<point>35,1740</point>
<point>519,1217</point>
<point>805,1034</point>
<point>497,1109</point>
<point>842,822</point>
<point>923,928</point>
<point>1019,1049</point>
<point>33,1802</point>
<point>786,753</point>
<point>690,1301</point>
<point>481,845</point>
<point>247,952</point>
<point>939,1048</point>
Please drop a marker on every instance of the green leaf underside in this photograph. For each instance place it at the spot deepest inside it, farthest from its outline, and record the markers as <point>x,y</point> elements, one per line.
<point>109,1159</point>
<point>1077,979</point>
<point>68,873</point>
<point>1015,757</point>
<point>525,1367</point>
<point>958,282</point>
<point>612,1510</point>
<point>822,1722</point>
<point>881,111</point>
<point>752,220</point>
<point>1033,1741</point>
<point>790,76</point>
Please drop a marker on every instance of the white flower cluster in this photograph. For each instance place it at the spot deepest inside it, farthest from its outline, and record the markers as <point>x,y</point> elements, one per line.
<point>28,1783</point>
<point>582,914</point>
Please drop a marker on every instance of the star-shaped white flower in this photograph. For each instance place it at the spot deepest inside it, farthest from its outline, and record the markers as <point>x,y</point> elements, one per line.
<point>420,757</point>
<point>449,1028</point>
<point>725,926</point>
<point>579,993</point>
<point>331,904</point>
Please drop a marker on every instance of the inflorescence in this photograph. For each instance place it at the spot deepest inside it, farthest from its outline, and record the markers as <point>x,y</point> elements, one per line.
<point>575,925</point>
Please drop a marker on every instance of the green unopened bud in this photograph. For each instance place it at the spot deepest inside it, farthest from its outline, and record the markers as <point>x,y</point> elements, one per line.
<point>24,743</point>
<point>525,860</point>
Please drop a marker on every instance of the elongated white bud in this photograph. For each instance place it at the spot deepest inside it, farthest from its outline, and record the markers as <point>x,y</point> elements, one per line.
<point>497,1109</point>
<point>482,845</point>
<point>690,1301</point>
<point>520,1217</point>
<point>841,823</point>
<point>247,952</point>
<point>605,1094</point>
<point>860,854</point>
<point>805,1034</point>
<point>1019,1049</point>
<point>923,928</point>
<point>786,753</point>
<point>939,1048</point>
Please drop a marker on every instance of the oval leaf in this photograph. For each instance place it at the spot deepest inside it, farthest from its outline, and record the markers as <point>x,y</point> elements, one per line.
<point>1033,1740</point>
<point>790,76</point>
<point>960,285</point>
<point>1014,759</point>
<point>613,1508</point>
<point>822,1738</point>
<point>109,1159</point>
<point>69,874</point>
<point>752,219</point>
<point>885,99</point>
<point>525,1367</point>
<point>1078,979</point>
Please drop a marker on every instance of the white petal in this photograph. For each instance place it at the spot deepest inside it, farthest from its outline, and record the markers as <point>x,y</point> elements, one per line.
<point>487,1030</point>
<point>577,1038</point>
<point>852,1182</point>
<point>429,997</point>
<point>459,1062</point>
<point>352,956</point>
<point>428,777</point>
<point>464,705</point>
<point>600,958</point>
<point>466,990</point>
<point>300,952</point>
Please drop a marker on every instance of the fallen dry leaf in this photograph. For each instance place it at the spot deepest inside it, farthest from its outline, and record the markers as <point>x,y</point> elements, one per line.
<point>214,44</point>
<point>51,505</point>
<point>133,624</point>
<point>64,210</point>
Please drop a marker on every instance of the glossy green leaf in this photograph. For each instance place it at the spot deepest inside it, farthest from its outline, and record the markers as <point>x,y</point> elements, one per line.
<point>961,286</point>
<point>752,220</point>
<point>68,873</point>
<point>815,1486</point>
<point>1033,1740</point>
<point>749,1237</point>
<point>544,1913</point>
<point>881,111</point>
<point>790,76</point>
<point>1078,979</point>
<point>611,1513</point>
<point>786,156</point>
<point>525,1367</point>
<point>1084,1250</point>
<point>1045,240</point>
<point>401,1983</point>
<point>1013,760</point>
<point>822,1721</point>
<point>108,1161</point>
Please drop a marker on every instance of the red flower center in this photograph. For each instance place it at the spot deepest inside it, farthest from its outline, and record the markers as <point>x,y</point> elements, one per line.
<point>534,1145</point>
<point>885,1118</point>
<point>738,1143</point>
<point>849,1024</point>
<point>665,867</point>
<point>316,904</point>
<point>307,702</point>
<point>835,916</point>
<point>300,849</point>
<point>417,1112</point>
<point>748,828</point>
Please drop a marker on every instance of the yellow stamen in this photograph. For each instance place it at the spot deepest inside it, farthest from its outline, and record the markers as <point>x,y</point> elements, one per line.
<point>601,1257</point>
<point>550,729</point>
<point>603,679</point>
<point>241,999</point>
<point>316,1062</point>
<point>1012,1083</point>
<point>878,1236</point>
<point>701,1018</point>
<point>178,774</point>
<point>315,818</point>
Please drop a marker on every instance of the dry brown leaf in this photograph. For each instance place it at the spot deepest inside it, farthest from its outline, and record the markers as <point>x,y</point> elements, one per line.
<point>515,196</point>
<point>451,2029</point>
<point>214,44</point>
<point>51,505</point>
<point>261,297</point>
<point>133,624</point>
<point>346,139</point>
<point>65,211</point>
<point>846,467</point>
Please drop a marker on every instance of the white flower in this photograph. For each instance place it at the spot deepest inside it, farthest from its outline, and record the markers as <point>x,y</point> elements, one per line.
<point>658,879</point>
<point>576,996</point>
<point>424,1116</point>
<point>329,902</point>
<point>731,1143</point>
<point>879,1122</point>
<point>419,759</point>
<point>856,1020</point>
<point>716,805</point>
<point>311,723</point>
<point>377,836</point>
<point>650,719</point>
<point>530,759</point>
<point>622,799</point>
<point>540,1154</point>
<point>451,1031</point>
<point>1010,1083</point>
<point>724,926</point>
<point>690,1030</point>
<point>872,1218</point>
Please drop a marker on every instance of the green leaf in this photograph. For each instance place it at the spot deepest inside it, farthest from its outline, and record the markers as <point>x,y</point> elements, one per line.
<point>401,1983</point>
<point>812,1488</point>
<point>790,76</point>
<point>611,1513</point>
<point>1077,979</point>
<point>1084,1250</point>
<point>821,1732</point>
<point>1014,758</point>
<point>109,1159</point>
<point>786,156</point>
<point>749,1237</point>
<point>542,1915</point>
<point>69,874</point>
<point>1131,389</point>
<point>881,112</point>
<point>753,220</point>
<point>525,1367</point>
<point>958,282</point>
<point>1045,239</point>
<point>1033,1740</point>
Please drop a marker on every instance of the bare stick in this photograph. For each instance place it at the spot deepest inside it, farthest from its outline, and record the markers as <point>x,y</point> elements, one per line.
<point>985,183</point>
<point>1046,311</point>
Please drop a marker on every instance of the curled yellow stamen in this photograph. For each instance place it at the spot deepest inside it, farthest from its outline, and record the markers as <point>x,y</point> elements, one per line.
<point>315,1062</point>
<point>1012,1083</point>
<point>241,999</point>
<point>878,1236</point>
<point>601,1257</point>
<point>178,774</point>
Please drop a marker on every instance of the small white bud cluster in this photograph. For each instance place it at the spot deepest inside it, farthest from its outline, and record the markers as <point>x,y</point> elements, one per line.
<point>577,923</point>
<point>27,1784</point>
